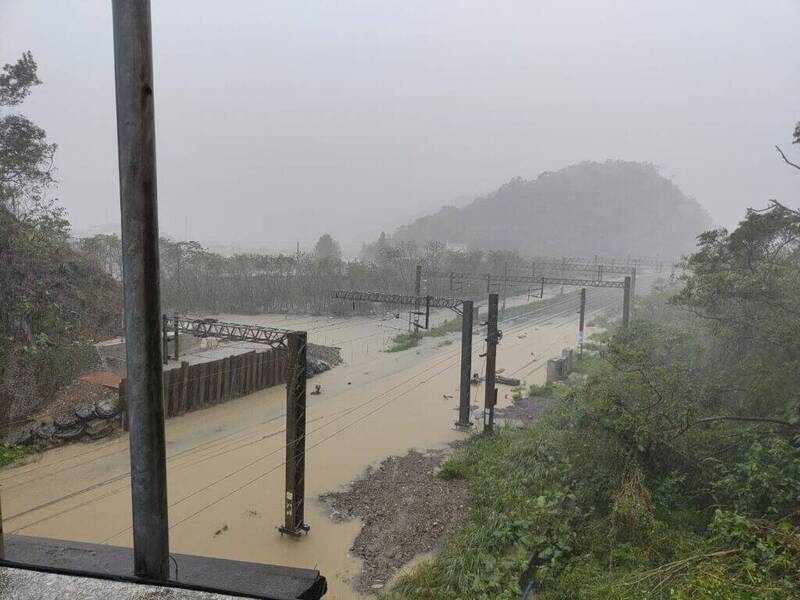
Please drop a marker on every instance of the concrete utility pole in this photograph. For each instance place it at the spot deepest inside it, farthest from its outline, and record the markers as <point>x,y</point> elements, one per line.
<point>466,364</point>
<point>580,325</point>
<point>626,302</point>
<point>133,66</point>
<point>294,523</point>
<point>492,338</point>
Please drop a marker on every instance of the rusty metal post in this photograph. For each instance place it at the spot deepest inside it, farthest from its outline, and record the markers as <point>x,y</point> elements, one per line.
<point>626,303</point>
<point>467,312</point>
<point>492,338</point>
<point>294,522</point>
<point>133,65</point>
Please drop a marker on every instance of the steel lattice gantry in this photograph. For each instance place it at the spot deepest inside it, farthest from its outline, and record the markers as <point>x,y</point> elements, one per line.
<point>294,343</point>
<point>626,284</point>
<point>491,278</point>
<point>272,337</point>
<point>600,269</point>
<point>463,307</point>
<point>399,299</point>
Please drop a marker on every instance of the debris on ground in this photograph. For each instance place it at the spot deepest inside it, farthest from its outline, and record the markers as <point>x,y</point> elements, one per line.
<point>507,381</point>
<point>82,410</point>
<point>76,393</point>
<point>405,508</point>
<point>524,409</point>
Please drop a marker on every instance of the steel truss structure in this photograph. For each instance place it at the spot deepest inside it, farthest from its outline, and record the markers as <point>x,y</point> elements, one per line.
<point>492,279</point>
<point>270,336</point>
<point>295,344</point>
<point>399,299</point>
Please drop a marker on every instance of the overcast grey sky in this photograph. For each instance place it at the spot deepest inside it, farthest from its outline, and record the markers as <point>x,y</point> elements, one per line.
<point>278,121</point>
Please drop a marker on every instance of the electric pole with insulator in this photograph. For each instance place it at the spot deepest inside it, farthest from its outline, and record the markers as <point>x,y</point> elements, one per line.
<point>492,339</point>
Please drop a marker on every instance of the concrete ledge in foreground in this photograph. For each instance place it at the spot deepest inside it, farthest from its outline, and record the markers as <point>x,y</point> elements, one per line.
<point>64,569</point>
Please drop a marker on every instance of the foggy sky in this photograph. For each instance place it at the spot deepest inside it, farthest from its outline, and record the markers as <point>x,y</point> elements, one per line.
<point>278,121</point>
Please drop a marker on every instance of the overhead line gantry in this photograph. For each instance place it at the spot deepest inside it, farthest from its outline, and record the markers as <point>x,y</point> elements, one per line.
<point>458,305</point>
<point>625,284</point>
<point>294,343</point>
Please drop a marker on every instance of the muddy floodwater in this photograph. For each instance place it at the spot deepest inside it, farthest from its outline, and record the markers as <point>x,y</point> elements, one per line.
<point>225,463</point>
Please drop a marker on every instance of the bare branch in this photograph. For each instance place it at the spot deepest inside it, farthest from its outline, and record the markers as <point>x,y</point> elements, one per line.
<point>783,156</point>
<point>786,424</point>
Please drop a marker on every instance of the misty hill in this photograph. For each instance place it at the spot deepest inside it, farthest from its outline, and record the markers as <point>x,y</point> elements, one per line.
<point>614,208</point>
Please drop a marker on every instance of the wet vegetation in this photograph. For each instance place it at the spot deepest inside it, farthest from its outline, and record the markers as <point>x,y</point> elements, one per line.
<point>671,467</point>
<point>53,300</point>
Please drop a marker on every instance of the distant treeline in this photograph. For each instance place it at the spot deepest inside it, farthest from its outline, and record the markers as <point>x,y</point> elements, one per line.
<point>196,280</point>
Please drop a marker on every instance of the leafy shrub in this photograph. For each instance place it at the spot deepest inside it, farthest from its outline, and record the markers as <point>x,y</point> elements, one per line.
<point>766,483</point>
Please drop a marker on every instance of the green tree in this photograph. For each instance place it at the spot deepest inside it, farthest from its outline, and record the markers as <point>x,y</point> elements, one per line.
<point>744,285</point>
<point>26,158</point>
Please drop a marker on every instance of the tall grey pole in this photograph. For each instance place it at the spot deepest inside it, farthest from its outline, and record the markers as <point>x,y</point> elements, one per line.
<point>492,338</point>
<point>582,317</point>
<point>466,364</point>
<point>626,302</point>
<point>133,66</point>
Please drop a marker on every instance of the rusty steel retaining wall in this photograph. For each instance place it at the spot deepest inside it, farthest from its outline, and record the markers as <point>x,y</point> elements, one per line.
<point>192,387</point>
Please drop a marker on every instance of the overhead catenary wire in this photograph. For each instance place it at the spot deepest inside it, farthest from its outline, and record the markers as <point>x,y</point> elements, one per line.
<point>349,411</point>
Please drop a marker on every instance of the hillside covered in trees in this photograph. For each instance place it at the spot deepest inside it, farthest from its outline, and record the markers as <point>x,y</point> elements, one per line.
<point>54,301</point>
<point>613,208</point>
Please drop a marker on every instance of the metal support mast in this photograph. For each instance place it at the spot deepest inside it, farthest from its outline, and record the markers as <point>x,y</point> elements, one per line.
<point>294,523</point>
<point>505,284</point>
<point>133,65</point>
<point>177,340</point>
<point>582,317</point>
<point>466,364</point>
<point>164,340</point>
<point>492,339</point>
<point>626,303</point>
<point>417,293</point>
